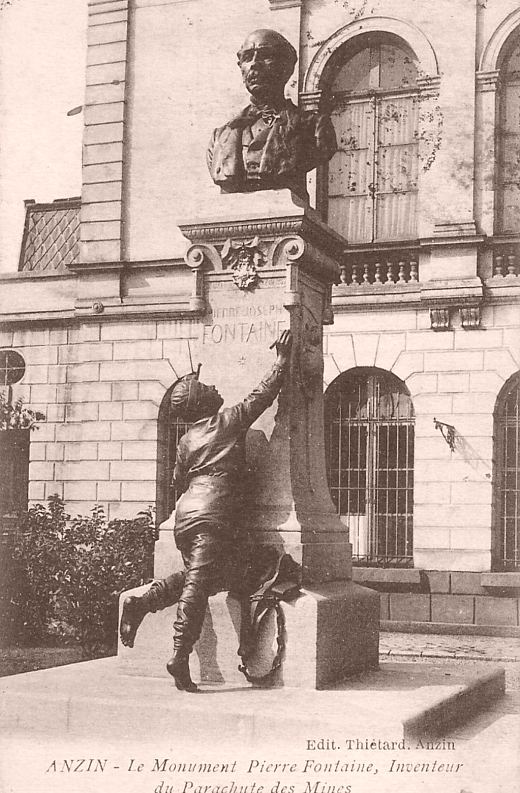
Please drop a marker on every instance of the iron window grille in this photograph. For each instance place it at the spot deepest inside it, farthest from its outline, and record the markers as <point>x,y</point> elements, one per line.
<point>176,430</point>
<point>507,481</point>
<point>369,438</point>
<point>169,432</point>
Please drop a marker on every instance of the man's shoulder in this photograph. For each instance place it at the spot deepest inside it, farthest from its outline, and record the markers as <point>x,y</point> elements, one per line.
<point>237,120</point>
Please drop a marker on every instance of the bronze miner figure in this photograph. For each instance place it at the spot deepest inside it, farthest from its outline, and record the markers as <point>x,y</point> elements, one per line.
<point>209,470</point>
<point>271,144</point>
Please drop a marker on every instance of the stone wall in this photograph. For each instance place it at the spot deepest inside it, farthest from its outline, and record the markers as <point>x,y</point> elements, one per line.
<point>431,600</point>
<point>100,386</point>
<point>454,376</point>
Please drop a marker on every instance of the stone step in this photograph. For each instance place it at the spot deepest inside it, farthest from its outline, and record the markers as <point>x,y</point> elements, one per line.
<point>397,700</point>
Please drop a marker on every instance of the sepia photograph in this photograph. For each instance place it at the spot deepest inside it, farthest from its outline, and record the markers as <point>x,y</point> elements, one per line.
<point>259,396</point>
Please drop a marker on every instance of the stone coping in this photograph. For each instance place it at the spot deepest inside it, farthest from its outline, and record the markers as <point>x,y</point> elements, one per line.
<point>387,575</point>
<point>500,580</point>
<point>466,582</point>
<point>449,628</point>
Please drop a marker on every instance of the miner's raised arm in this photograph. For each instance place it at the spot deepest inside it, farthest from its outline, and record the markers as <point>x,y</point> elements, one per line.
<point>247,411</point>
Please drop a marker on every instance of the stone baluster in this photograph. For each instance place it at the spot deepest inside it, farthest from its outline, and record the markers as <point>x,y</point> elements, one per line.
<point>499,266</point>
<point>377,276</point>
<point>402,275</point>
<point>511,265</point>
<point>414,275</point>
<point>343,274</point>
<point>355,273</point>
<point>366,274</point>
<point>390,274</point>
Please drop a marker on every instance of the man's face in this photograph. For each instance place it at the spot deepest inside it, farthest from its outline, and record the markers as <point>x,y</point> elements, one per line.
<point>210,400</point>
<point>263,65</point>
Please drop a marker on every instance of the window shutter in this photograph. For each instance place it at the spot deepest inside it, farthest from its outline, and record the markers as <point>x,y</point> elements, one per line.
<point>509,158</point>
<point>351,171</point>
<point>397,167</point>
<point>373,178</point>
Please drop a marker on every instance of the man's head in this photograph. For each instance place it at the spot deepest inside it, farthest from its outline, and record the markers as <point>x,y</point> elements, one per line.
<point>266,60</point>
<point>192,400</point>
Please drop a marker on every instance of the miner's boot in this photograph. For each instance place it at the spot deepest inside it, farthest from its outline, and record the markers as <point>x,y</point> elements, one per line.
<point>134,610</point>
<point>179,668</point>
<point>159,596</point>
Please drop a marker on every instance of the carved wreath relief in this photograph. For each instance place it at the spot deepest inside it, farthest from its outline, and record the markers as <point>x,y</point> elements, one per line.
<point>243,258</point>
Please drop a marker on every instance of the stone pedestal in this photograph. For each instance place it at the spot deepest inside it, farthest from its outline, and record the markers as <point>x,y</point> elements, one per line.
<point>264,262</point>
<point>330,633</point>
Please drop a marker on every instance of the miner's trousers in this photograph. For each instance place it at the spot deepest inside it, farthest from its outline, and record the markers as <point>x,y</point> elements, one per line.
<point>212,564</point>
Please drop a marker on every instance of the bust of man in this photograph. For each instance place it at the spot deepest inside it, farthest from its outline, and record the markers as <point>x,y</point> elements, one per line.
<point>271,144</point>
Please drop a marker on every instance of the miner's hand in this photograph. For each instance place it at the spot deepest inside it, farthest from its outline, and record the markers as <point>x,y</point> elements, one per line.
<point>283,347</point>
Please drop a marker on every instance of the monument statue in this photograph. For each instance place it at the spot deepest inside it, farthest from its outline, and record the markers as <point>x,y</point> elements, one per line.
<point>209,470</point>
<point>271,144</point>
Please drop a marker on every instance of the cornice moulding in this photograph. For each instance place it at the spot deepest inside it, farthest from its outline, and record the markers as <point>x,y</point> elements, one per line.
<point>277,5</point>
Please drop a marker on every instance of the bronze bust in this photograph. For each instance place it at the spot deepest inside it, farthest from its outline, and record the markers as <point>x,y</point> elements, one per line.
<point>271,144</point>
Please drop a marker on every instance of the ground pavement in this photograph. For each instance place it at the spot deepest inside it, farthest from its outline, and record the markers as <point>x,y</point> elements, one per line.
<point>427,645</point>
<point>491,741</point>
<point>487,747</point>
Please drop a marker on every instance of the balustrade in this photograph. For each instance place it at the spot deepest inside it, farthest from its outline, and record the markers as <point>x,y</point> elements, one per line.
<point>506,265</point>
<point>360,270</point>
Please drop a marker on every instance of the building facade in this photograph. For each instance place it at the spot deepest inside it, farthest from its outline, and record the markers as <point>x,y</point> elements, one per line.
<point>422,362</point>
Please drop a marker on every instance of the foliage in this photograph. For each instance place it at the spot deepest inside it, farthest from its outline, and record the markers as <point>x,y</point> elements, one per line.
<point>16,417</point>
<point>36,554</point>
<point>75,569</point>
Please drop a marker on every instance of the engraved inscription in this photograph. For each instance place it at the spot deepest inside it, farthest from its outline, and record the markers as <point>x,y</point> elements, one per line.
<point>248,324</point>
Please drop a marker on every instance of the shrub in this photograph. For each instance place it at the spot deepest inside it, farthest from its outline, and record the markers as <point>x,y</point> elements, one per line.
<point>75,569</point>
<point>17,417</point>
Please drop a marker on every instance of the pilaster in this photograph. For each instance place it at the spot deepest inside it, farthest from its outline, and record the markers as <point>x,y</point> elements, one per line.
<point>449,278</point>
<point>103,137</point>
<point>485,113</point>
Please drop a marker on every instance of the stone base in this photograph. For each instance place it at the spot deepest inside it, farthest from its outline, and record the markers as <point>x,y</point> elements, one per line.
<point>331,632</point>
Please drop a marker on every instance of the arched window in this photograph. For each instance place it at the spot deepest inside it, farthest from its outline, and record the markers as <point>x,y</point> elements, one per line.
<point>371,190</point>
<point>169,431</point>
<point>369,437</point>
<point>507,184</point>
<point>506,545</point>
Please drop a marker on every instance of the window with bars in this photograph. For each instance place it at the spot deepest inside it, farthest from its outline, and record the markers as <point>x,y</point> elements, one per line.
<point>507,478</point>
<point>170,431</point>
<point>369,437</point>
<point>373,177</point>
<point>507,186</point>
